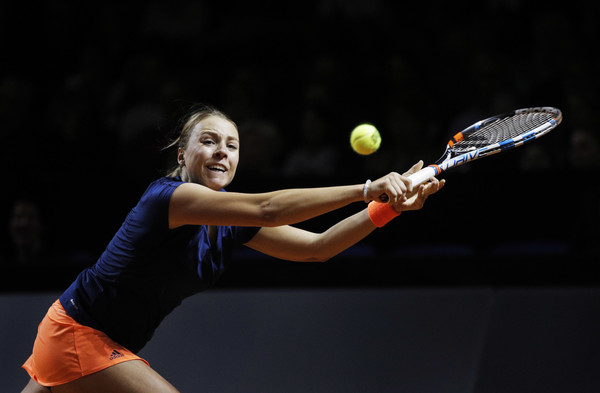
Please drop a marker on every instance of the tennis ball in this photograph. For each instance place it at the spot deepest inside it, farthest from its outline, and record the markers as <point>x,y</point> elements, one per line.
<point>365,139</point>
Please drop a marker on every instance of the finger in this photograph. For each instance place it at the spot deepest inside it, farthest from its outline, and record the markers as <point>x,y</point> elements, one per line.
<point>415,168</point>
<point>440,184</point>
<point>423,192</point>
<point>433,186</point>
<point>388,188</point>
<point>401,185</point>
<point>408,184</point>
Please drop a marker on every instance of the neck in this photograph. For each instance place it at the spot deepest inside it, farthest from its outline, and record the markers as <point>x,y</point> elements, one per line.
<point>184,175</point>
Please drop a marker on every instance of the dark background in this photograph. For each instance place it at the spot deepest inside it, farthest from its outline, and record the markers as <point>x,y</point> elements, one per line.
<point>492,287</point>
<point>89,94</point>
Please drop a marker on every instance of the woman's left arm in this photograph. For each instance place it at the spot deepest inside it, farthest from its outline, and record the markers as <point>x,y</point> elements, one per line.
<point>295,244</point>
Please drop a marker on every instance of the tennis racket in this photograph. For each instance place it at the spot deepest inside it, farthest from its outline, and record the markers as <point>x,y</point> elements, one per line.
<point>490,136</point>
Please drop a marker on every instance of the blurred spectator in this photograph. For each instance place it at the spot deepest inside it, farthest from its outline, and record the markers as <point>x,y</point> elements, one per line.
<point>27,230</point>
<point>584,150</point>
<point>309,74</point>
<point>33,237</point>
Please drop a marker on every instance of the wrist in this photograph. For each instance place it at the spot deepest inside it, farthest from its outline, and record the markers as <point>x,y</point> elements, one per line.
<point>366,188</point>
<point>381,213</point>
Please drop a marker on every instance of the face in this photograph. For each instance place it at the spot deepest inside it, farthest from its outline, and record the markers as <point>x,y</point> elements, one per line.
<point>211,155</point>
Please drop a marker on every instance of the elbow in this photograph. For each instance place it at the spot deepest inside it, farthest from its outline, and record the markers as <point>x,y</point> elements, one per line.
<point>323,247</point>
<point>270,216</point>
<point>319,252</point>
<point>314,259</point>
<point>318,258</point>
<point>267,217</point>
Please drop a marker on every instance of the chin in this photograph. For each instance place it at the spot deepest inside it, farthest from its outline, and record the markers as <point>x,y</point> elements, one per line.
<point>217,184</point>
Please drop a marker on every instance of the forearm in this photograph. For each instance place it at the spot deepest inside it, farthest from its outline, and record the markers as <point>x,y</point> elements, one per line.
<point>295,244</point>
<point>343,235</point>
<point>192,204</point>
<point>296,205</point>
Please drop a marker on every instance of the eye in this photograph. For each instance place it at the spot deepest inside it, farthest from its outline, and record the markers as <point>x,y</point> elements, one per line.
<point>207,141</point>
<point>232,146</point>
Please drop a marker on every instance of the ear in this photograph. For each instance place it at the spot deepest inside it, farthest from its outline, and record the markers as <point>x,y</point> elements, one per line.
<point>180,158</point>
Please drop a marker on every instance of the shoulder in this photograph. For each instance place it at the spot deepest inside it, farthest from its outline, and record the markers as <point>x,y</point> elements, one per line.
<point>161,189</point>
<point>164,185</point>
<point>154,203</point>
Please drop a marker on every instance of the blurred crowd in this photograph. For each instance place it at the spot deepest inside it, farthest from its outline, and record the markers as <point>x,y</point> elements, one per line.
<point>89,94</point>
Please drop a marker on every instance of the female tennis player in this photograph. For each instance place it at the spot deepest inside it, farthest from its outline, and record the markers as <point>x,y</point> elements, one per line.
<point>176,242</point>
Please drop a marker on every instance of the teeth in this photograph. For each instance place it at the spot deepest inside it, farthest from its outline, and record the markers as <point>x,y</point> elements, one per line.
<point>217,168</point>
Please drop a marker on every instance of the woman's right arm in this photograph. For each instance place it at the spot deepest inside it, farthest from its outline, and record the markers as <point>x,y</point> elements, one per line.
<point>193,204</point>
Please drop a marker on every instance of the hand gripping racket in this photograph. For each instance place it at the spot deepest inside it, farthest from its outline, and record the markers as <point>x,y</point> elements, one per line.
<point>490,136</point>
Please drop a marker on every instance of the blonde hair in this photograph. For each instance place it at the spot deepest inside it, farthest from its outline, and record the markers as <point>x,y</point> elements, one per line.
<point>195,115</point>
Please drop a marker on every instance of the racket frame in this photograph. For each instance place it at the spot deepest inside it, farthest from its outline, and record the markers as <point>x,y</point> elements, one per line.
<point>447,161</point>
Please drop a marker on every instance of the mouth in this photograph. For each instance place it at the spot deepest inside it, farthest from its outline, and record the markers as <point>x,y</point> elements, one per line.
<point>217,168</point>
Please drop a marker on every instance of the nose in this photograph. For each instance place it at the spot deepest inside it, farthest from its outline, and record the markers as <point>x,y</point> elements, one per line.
<point>221,151</point>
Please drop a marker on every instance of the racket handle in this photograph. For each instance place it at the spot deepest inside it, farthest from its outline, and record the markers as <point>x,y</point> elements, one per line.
<point>422,176</point>
<point>416,179</point>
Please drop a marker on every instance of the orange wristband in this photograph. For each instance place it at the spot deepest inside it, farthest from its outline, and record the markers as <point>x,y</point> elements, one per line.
<point>381,213</point>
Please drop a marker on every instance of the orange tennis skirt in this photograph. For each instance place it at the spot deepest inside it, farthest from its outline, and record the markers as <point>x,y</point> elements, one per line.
<point>65,350</point>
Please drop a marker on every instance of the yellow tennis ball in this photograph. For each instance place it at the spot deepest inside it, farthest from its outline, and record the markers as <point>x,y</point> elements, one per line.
<point>365,139</point>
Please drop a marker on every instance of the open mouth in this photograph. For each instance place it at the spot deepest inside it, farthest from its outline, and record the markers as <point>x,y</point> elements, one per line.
<point>217,168</point>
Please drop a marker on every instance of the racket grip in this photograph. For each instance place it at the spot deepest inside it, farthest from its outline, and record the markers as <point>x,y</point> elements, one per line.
<point>416,179</point>
<point>422,176</point>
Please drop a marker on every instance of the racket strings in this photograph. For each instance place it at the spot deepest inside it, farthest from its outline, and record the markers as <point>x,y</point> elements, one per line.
<point>500,130</point>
